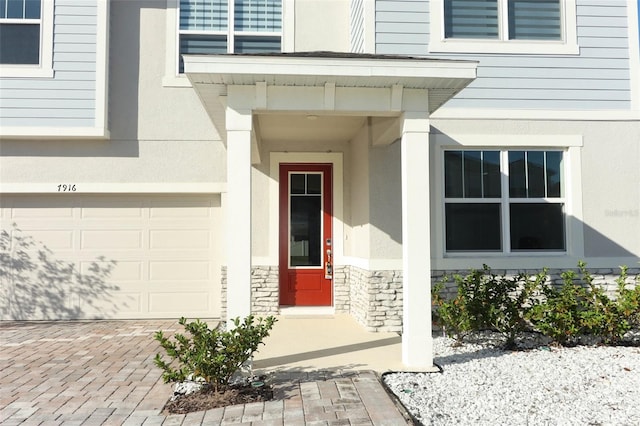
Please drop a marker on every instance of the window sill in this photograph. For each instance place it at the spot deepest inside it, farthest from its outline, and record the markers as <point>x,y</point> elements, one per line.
<point>20,71</point>
<point>492,254</point>
<point>500,47</point>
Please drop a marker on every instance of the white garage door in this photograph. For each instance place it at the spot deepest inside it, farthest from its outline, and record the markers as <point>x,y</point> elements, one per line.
<point>104,256</point>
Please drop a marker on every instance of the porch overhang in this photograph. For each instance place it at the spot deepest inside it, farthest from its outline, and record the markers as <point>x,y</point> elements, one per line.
<point>443,78</point>
<point>329,83</point>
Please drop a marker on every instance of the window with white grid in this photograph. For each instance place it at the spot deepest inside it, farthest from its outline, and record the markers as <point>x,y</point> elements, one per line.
<point>504,201</point>
<point>229,26</point>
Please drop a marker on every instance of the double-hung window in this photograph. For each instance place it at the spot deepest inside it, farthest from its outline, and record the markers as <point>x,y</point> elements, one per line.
<point>229,26</point>
<point>504,26</point>
<point>26,38</point>
<point>504,201</point>
<point>20,32</point>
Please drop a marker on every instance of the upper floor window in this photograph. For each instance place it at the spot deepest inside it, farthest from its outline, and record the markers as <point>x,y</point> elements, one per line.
<point>504,201</point>
<point>504,20</point>
<point>229,26</point>
<point>504,26</point>
<point>26,38</point>
<point>20,26</point>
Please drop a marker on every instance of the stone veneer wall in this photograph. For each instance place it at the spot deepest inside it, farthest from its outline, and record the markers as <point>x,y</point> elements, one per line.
<point>341,297</point>
<point>265,290</point>
<point>605,277</point>
<point>376,299</point>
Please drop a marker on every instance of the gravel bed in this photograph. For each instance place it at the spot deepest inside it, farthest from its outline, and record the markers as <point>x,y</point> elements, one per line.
<point>545,385</point>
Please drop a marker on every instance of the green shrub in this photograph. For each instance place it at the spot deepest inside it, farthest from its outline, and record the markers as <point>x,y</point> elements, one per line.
<point>487,301</point>
<point>602,316</point>
<point>213,355</point>
<point>581,308</point>
<point>628,299</point>
<point>511,299</point>
<point>558,314</point>
<point>452,314</point>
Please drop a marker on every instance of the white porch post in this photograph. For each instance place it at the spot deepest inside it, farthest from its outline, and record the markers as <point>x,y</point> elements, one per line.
<point>417,345</point>
<point>238,123</point>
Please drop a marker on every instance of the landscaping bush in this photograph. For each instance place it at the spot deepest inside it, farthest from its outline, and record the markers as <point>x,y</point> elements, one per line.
<point>487,301</point>
<point>582,308</point>
<point>212,355</point>
<point>558,314</point>
<point>629,299</point>
<point>520,303</point>
<point>452,314</point>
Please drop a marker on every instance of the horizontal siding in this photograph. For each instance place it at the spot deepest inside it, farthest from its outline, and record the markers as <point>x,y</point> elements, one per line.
<point>597,78</point>
<point>69,98</point>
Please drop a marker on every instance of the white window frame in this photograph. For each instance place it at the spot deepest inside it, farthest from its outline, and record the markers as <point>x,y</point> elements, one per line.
<point>572,196</point>
<point>44,69</point>
<point>568,45</point>
<point>172,76</point>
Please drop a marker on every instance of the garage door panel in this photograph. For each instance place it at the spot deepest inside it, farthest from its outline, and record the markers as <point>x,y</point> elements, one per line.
<point>101,209</point>
<point>186,301</point>
<point>190,239</point>
<point>186,208</point>
<point>185,271</point>
<point>121,305</point>
<point>54,239</point>
<point>46,212</point>
<point>111,239</point>
<point>120,271</point>
<point>109,256</point>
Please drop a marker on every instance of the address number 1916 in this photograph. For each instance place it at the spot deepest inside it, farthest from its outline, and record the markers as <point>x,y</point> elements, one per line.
<point>66,188</point>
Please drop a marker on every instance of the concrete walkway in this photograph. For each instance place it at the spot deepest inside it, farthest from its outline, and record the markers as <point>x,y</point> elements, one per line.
<point>102,372</point>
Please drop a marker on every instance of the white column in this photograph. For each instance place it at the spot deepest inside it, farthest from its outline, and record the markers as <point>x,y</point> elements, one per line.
<point>238,213</point>
<point>417,344</point>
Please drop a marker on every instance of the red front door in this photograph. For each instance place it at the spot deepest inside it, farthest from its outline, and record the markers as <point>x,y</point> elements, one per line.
<point>306,263</point>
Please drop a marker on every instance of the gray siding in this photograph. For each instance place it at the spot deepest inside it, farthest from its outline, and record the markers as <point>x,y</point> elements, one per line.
<point>69,98</point>
<point>597,78</point>
<point>357,26</point>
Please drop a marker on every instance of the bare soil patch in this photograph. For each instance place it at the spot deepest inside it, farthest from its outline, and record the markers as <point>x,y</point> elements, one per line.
<point>208,398</point>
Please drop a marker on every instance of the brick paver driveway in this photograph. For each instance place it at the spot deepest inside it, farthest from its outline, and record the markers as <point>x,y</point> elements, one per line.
<point>102,373</point>
<point>80,372</point>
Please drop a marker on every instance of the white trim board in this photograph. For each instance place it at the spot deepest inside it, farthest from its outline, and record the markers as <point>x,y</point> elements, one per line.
<point>113,188</point>
<point>449,113</point>
<point>57,133</point>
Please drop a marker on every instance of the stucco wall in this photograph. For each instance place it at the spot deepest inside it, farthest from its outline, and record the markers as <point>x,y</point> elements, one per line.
<point>358,242</point>
<point>322,25</point>
<point>386,202</point>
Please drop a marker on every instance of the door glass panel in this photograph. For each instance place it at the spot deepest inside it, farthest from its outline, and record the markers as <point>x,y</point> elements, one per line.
<point>305,238</point>
<point>314,184</point>
<point>298,183</point>
<point>306,231</point>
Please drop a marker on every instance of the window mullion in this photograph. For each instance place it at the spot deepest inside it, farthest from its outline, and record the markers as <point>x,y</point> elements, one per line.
<point>526,174</point>
<point>482,174</point>
<point>464,187</point>
<point>544,174</point>
<point>503,13</point>
<point>504,166</point>
<point>231,26</point>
